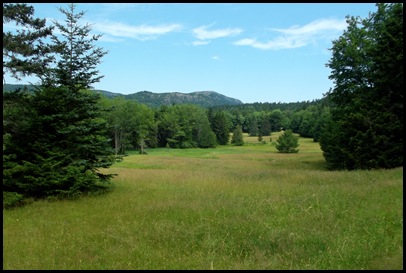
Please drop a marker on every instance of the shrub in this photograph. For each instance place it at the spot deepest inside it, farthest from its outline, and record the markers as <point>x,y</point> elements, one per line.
<point>287,142</point>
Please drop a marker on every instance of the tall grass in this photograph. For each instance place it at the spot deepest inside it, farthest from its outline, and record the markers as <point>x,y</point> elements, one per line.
<point>245,207</point>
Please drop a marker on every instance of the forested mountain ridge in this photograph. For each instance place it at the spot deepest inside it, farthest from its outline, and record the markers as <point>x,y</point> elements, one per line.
<point>201,98</point>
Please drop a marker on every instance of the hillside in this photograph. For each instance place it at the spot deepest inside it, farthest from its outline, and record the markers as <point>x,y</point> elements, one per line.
<point>201,98</point>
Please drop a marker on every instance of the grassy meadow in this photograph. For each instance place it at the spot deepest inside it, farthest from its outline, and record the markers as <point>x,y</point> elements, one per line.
<point>229,207</point>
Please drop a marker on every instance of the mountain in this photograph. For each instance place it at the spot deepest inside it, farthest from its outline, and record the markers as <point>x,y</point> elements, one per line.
<point>201,98</point>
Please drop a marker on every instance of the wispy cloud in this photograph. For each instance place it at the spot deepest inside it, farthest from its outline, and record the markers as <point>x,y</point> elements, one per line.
<point>197,43</point>
<point>299,36</point>
<point>141,32</point>
<point>203,34</point>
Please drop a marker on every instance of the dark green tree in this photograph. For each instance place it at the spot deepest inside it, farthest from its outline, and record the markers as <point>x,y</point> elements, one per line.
<point>130,124</point>
<point>24,51</point>
<point>287,142</point>
<point>206,138</point>
<point>183,126</point>
<point>237,138</point>
<point>277,120</point>
<point>77,54</point>
<point>253,125</point>
<point>220,126</point>
<point>62,149</point>
<point>265,128</point>
<point>61,145</point>
<point>366,126</point>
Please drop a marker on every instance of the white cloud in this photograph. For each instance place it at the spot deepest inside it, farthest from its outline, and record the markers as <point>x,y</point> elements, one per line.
<point>197,43</point>
<point>315,28</point>
<point>141,32</point>
<point>299,36</point>
<point>216,58</point>
<point>202,33</point>
<point>278,43</point>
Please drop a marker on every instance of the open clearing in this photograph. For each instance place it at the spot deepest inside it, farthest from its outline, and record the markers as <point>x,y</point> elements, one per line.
<point>229,207</point>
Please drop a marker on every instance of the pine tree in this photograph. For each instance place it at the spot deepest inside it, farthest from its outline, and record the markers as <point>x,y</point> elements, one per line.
<point>24,51</point>
<point>61,145</point>
<point>287,142</point>
<point>219,125</point>
<point>205,136</point>
<point>237,138</point>
<point>78,55</point>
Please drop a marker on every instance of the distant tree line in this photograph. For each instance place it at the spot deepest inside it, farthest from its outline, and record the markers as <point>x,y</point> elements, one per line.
<point>191,126</point>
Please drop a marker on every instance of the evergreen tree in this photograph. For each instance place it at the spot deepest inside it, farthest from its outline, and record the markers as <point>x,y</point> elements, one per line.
<point>287,142</point>
<point>78,56</point>
<point>237,138</point>
<point>366,126</point>
<point>206,137</point>
<point>63,147</point>
<point>24,51</point>
<point>61,144</point>
<point>265,128</point>
<point>220,127</point>
<point>253,125</point>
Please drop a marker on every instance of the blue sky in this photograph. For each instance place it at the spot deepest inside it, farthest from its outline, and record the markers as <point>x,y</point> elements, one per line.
<point>271,52</point>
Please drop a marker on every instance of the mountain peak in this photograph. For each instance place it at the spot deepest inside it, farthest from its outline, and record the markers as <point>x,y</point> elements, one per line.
<point>206,98</point>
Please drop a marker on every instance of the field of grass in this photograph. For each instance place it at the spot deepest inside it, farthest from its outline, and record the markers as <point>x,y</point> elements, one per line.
<point>229,207</point>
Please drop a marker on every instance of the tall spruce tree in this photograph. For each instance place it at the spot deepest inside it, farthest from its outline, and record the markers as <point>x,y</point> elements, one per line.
<point>78,56</point>
<point>366,126</point>
<point>61,146</point>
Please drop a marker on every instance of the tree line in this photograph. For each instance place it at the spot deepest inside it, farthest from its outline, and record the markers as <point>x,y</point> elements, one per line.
<point>133,125</point>
<point>57,139</point>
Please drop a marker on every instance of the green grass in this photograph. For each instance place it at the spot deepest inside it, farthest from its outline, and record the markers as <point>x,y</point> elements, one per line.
<point>230,207</point>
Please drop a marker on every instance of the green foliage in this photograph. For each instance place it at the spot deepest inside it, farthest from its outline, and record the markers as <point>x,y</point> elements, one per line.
<point>67,146</point>
<point>287,142</point>
<point>277,120</point>
<point>237,138</point>
<point>24,51</point>
<point>220,126</point>
<point>11,199</point>
<point>253,129</point>
<point>206,138</point>
<point>265,127</point>
<point>260,138</point>
<point>183,126</point>
<point>130,124</point>
<point>365,129</point>
<point>203,99</point>
<point>55,137</point>
<point>78,57</point>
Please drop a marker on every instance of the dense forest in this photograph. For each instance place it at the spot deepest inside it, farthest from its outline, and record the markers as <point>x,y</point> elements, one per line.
<point>57,137</point>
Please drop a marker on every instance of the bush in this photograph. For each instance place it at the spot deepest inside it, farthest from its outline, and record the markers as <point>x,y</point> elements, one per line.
<point>287,142</point>
<point>11,199</point>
